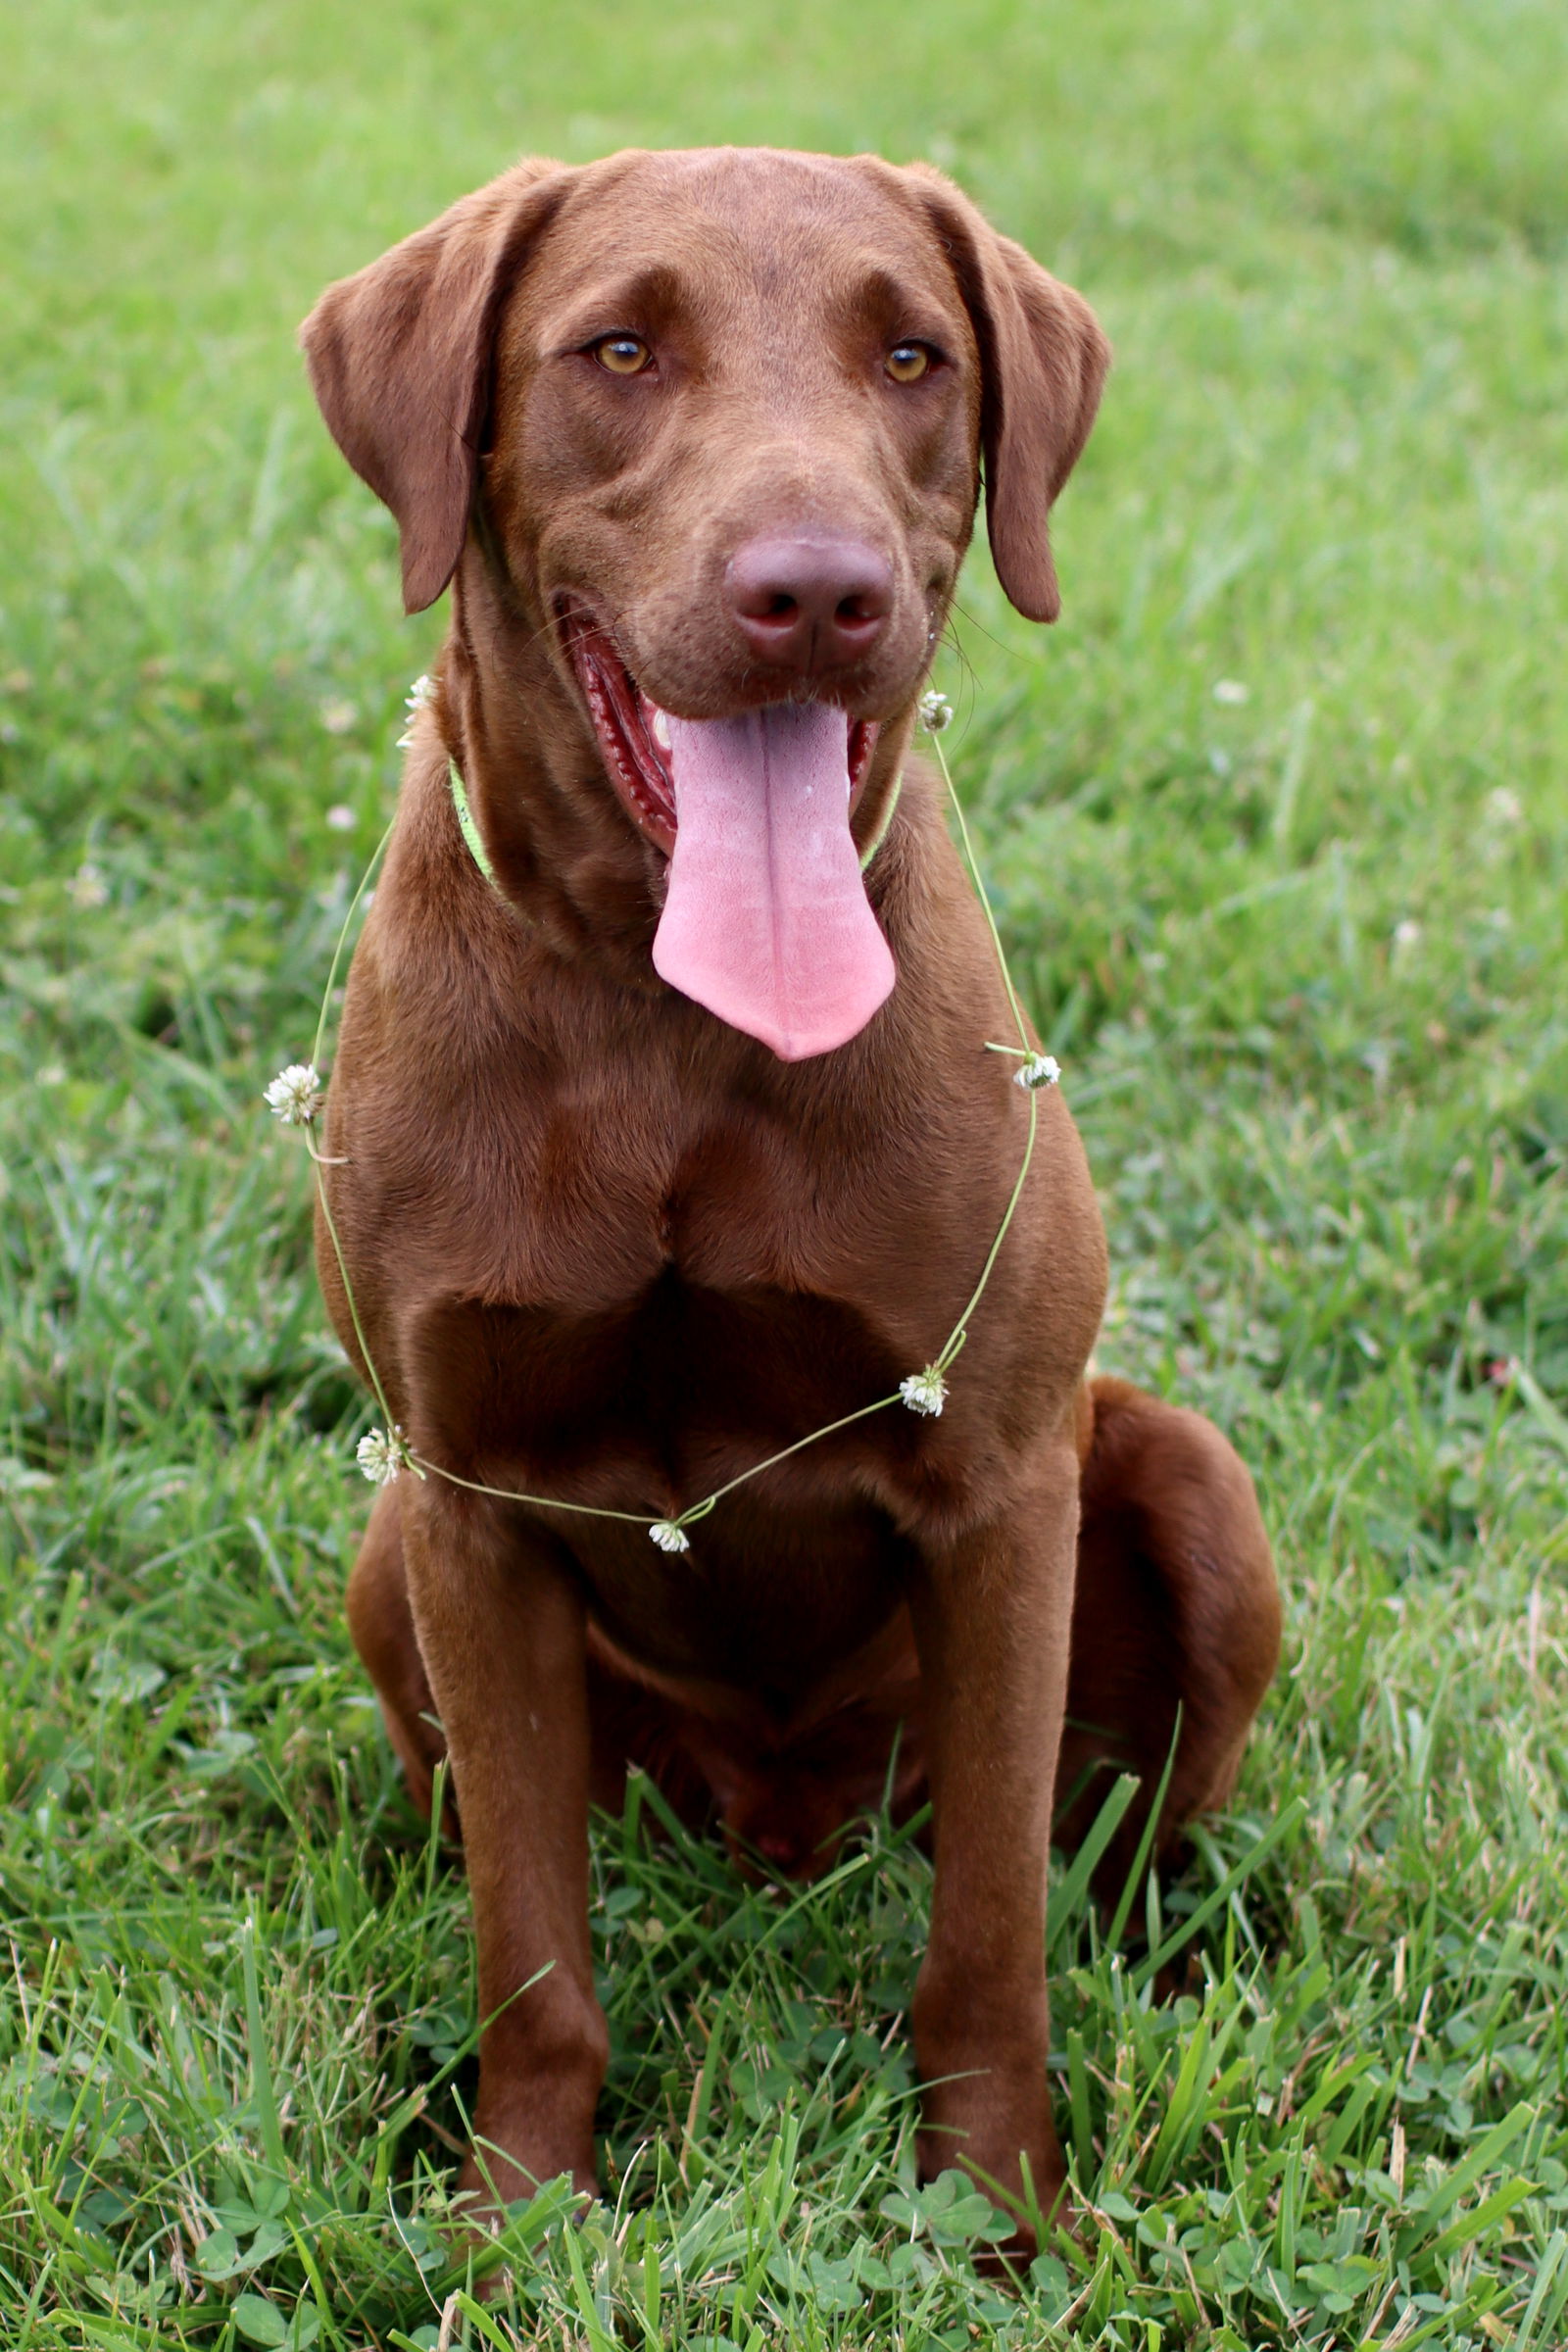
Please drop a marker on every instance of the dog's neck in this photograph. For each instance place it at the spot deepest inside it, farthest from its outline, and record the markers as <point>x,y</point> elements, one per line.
<point>563,850</point>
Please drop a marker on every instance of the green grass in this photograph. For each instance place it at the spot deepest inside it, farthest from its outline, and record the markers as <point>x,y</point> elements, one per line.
<point>1300,952</point>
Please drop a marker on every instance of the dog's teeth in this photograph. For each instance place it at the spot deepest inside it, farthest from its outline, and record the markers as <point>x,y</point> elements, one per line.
<point>660,726</point>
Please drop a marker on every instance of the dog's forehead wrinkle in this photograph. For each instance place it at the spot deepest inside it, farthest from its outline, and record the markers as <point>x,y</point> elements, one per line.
<point>766,215</point>
<point>766,179</point>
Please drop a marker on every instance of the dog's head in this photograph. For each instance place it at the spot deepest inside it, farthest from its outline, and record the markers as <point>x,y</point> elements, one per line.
<point>716,420</point>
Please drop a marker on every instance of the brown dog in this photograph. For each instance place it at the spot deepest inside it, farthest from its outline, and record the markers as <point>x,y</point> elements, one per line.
<point>643,1166</point>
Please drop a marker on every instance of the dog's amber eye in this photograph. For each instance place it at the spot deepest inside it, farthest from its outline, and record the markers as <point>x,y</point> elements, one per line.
<point>907,362</point>
<point>622,354</point>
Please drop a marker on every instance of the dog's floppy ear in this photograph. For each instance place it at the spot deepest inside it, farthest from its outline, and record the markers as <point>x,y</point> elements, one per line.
<point>398,359</point>
<point>1042,359</point>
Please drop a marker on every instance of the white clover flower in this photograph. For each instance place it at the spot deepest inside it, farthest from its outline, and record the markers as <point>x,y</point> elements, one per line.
<point>381,1454</point>
<point>1230,690</point>
<point>338,717</point>
<point>417,696</point>
<point>341,819</point>
<point>1504,807</point>
<point>924,1392</point>
<point>669,1537</point>
<point>935,712</point>
<point>88,887</point>
<point>1038,1069</point>
<point>296,1095</point>
<point>1406,934</point>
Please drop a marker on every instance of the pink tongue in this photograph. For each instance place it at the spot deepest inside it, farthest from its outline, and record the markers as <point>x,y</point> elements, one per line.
<point>767,920</point>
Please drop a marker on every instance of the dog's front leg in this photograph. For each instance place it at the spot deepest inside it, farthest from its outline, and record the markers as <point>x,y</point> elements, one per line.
<point>501,1627</point>
<point>992,1616</point>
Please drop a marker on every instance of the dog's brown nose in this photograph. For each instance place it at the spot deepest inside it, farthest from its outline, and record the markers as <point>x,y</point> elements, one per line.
<point>810,604</point>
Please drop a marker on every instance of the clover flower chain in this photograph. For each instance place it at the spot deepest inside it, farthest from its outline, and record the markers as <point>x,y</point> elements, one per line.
<point>419,694</point>
<point>924,1392</point>
<point>296,1094</point>
<point>381,1454</point>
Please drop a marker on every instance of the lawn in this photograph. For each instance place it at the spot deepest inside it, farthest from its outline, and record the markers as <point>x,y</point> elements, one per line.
<point>1277,821</point>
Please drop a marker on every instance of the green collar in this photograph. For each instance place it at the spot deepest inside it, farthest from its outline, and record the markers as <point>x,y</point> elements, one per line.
<point>481,856</point>
<point>469,830</point>
<point>886,826</point>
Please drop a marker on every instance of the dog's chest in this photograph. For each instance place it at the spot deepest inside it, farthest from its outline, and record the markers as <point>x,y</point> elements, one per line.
<point>680,1364</point>
<point>601,1211</point>
<point>665,1309</point>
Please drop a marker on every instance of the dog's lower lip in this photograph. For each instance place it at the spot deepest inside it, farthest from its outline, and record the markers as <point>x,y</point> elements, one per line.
<point>624,721</point>
<point>633,730</point>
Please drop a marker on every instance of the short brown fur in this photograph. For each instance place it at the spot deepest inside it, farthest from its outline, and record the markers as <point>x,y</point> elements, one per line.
<point>607,1248</point>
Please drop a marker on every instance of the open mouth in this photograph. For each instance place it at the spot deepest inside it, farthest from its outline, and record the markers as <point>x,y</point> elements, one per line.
<point>765,921</point>
<point>634,733</point>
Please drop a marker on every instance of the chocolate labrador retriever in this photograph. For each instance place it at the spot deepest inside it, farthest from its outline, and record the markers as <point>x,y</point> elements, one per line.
<point>663,1130</point>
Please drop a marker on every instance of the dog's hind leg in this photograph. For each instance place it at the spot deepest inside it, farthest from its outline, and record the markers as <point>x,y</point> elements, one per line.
<point>381,1622</point>
<point>1176,1624</point>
